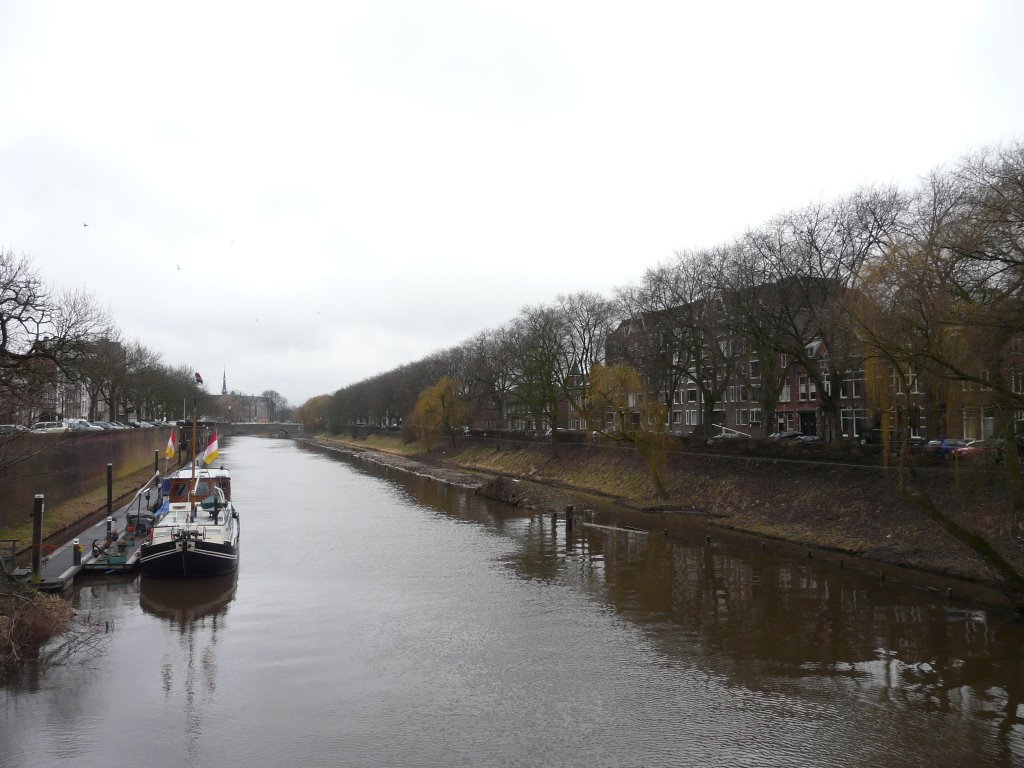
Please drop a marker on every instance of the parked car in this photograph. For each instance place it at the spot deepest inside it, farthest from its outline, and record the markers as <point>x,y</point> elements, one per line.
<point>943,447</point>
<point>789,434</point>
<point>81,425</point>
<point>809,439</point>
<point>50,426</point>
<point>877,437</point>
<point>10,429</point>
<point>990,447</point>
<point>724,436</point>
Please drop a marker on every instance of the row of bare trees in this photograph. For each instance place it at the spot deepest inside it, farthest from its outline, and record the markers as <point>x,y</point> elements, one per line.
<point>892,299</point>
<point>52,340</point>
<point>927,281</point>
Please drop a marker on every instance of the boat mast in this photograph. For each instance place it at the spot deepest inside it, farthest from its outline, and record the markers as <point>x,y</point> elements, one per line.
<point>192,482</point>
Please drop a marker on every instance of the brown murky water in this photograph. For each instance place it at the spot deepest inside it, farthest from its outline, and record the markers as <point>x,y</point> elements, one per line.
<point>381,620</point>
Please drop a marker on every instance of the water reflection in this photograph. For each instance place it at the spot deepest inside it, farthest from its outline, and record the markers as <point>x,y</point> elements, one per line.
<point>189,601</point>
<point>196,609</point>
<point>773,622</point>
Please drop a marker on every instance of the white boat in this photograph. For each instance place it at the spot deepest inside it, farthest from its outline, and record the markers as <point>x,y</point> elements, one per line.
<point>197,530</point>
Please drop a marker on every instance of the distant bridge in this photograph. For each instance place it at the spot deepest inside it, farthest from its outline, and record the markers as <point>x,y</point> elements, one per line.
<point>260,429</point>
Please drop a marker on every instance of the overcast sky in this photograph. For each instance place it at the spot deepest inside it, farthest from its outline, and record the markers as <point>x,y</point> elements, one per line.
<point>306,194</point>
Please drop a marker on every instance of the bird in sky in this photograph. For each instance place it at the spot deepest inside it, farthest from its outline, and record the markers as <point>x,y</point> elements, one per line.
<point>85,224</point>
<point>178,266</point>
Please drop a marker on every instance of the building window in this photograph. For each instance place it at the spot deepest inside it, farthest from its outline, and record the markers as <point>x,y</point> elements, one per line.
<point>853,384</point>
<point>691,418</point>
<point>691,395</point>
<point>755,369</point>
<point>755,416</point>
<point>807,389</point>
<point>677,417</point>
<point>853,420</point>
<point>742,417</point>
<point>785,396</point>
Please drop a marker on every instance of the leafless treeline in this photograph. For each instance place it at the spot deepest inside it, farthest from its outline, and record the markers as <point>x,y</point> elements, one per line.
<point>925,283</point>
<point>52,344</point>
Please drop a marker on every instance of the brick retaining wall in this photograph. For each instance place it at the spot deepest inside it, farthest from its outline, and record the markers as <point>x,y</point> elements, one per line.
<point>68,464</point>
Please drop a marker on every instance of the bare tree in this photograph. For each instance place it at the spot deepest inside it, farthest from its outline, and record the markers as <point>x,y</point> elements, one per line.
<point>276,403</point>
<point>42,333</point>
<point>816,256</point>
<point>538,371</point>
<point>648,338</point>
<point>490,371</point>
<point>587,321</point>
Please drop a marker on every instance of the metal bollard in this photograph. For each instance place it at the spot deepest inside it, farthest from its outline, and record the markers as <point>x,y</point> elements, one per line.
<point>568,517</point>
<point>76,552</point>
<point>110,529</point>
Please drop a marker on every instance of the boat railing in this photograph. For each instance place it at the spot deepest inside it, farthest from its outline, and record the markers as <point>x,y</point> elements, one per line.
<point>8,555</point>
<point>193,532</point>
<point>135,507</point>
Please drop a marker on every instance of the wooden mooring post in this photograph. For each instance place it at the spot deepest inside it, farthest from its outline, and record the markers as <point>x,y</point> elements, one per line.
<point>37,539</point>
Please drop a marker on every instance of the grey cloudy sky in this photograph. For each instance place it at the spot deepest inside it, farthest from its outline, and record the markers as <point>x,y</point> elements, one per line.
<point>309,193</point>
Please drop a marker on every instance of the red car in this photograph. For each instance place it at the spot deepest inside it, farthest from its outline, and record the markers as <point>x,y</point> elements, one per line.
<point>988,448</point>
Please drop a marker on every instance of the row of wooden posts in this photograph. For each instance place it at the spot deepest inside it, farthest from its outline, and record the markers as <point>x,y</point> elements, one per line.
<point>37,523</point>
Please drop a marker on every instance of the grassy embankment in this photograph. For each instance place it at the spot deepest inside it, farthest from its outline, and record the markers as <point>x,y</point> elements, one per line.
<point>61,518</point>
<point>853,510</point>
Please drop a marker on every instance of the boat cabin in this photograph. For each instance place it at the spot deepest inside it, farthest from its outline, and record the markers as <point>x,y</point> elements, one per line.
<point>208,488</point>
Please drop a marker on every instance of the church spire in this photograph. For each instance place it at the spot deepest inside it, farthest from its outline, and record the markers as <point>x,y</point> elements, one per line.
<point>224,385</point>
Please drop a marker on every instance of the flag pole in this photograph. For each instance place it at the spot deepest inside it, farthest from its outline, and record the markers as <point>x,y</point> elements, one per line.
<point>193,480</point>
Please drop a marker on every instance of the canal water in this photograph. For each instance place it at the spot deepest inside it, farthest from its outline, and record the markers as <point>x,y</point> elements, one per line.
<point>379,619</point>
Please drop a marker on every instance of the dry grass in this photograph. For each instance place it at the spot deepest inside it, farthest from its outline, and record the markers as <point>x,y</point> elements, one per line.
<point>63,517</point>
<point>27,621</point>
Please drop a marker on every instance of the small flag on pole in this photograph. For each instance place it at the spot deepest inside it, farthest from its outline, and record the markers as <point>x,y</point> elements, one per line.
<point>172,446</point>
<point>199,379</point>
<point>212,450</point>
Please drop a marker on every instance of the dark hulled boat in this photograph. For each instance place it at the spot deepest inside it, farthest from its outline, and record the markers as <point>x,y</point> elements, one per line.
<point>198,533</point>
